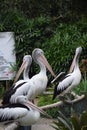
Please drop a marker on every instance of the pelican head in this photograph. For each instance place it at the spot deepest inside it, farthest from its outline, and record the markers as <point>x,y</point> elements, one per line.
<point>78,51</point>
<point>24,100</point>
<point>27,60</point>
<point>39,57</point>
<point>76,58</point>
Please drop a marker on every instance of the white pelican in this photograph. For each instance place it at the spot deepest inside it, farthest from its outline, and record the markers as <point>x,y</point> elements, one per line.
<point>36,85</point>
<point>72,79</point>
<point>21,113</point>
<point>27,60</point>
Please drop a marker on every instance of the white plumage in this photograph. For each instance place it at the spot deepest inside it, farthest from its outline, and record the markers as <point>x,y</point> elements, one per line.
<point>27,60</point>
<point>21,113</point>
<point>28,88</point>
<point>36,85</point>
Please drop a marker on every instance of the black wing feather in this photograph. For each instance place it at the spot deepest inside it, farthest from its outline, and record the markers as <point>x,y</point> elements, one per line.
<point>9,93</point>
<point>11,118</point>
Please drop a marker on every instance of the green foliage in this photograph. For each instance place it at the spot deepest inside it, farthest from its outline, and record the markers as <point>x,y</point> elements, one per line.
<point>43,100</point>
<point>43,32</point>
<point>63,44</point>
<point>2,90</point>
<point>29,33</point>
<point>74,123</point>
<point>71,10</point>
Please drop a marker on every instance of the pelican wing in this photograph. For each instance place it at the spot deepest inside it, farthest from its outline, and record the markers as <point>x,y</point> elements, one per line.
<point>10,92</point>
<point>64,84</point>
<point>12,112</point>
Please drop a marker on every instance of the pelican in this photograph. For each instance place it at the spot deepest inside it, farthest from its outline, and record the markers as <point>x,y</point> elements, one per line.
<point>36,85</point>
<point>32,87</point>
<point>72,79</point>
<point>21,113</point>
<point>27,60</point>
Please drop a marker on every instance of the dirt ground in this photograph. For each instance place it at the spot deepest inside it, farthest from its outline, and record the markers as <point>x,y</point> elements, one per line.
<point>42,124</point>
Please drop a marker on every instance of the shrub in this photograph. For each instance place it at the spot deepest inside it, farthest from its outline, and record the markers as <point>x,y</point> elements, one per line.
<point>61,38</point>
<point>74,123</point>
<point>63,44</point>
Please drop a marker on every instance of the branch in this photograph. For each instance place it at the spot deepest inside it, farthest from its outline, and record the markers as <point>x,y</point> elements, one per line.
<point>75,95</point>
<point>75,100</point>
<point>57,104</point>
<point>57,18</point>
<point>51,93</point>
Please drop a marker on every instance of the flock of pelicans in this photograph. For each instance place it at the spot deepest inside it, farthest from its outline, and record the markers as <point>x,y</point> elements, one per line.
<point>17,104</point>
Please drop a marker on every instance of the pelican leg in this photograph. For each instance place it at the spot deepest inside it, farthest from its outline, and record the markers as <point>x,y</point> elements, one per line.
<point>26,128</point>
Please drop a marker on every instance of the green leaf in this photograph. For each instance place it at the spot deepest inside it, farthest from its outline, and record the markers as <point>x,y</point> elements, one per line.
<point>83,119</point>
<point>55,127</point>
<point>63,116</point>
<point>75,122</point>
<point>63,122</point>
